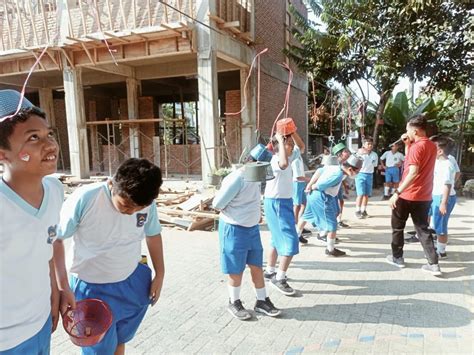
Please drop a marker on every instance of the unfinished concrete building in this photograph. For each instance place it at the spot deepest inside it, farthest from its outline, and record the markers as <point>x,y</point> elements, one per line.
<point>153,79</point>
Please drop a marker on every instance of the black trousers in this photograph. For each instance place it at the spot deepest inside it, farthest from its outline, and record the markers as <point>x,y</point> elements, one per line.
<point>419,215</point>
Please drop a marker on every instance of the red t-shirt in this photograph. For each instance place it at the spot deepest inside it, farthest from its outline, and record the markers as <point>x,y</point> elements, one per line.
<point>422,154</point>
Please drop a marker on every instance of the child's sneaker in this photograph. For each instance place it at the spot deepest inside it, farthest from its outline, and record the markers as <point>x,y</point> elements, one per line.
<point>306,232</point>
<point>365,214</point>
<point>238,311</point>
<point>432,268</point>
<point>343,225</point>
<point>303,240</point>
<point>335,252</point>
<point>282,286</point>
<point>399,262</point>
<point>358,214</point>
<point>269,275</point>
<point>266,307</point>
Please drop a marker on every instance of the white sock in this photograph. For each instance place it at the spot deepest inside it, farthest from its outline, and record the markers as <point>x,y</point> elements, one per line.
<point>331,242</point>
<point>299,231</point>
<point>280,274</point>
<point>261,293</point>
<point>392,190</point>
<point>339,218</point>
<point>357,208</point>
<point>270,269</point>
<point>441,247</point>
<point>362,208</point>
<point>386,190</point>
<point>323,233</point>
<point>234,293</point>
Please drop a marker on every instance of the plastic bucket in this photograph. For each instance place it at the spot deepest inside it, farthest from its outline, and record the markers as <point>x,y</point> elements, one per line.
<point>255,172</point>
<point>88,323</point>
<point>286,126</point>
<point>261,153</point>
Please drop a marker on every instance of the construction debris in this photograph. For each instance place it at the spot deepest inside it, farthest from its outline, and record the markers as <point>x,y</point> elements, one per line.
<point>190,210</point>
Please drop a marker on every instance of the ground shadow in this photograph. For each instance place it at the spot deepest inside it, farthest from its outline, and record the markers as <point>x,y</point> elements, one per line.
<point>406,313</point>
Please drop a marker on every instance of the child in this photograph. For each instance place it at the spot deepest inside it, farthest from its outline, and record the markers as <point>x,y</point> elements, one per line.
<point>299,196</point>
<point>240,244</point>
<point>393,161</point>
<point>444,196</point>
<point>278,206</point>
<point>364,179</point>
<point>30,203</point>
<point>108,222</point>
<point>342,153</point>
<point>322,201</point>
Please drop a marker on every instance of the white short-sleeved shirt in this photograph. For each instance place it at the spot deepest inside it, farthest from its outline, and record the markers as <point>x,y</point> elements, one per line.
<point>391,159</point>
<point>26,237</point>
<point>444,173</point>
<point>106,244</point>
<point>455,163</point>
<point>330,180</point>
<point>282,185</point>
<point>370,162</point>
<point>238,200</point>
<point>297,168</point>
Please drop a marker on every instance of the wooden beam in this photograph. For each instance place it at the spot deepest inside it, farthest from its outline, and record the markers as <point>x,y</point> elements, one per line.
<point>120,69</point>
<point>121,39</point>
<point>229,24</point>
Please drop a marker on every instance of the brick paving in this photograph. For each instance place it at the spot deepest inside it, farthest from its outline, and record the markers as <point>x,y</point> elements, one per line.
<point>356,304</point>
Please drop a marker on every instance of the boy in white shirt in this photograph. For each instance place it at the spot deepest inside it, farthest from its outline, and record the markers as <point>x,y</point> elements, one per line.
<point>278,205</point>
<point>240,243</point>
<point>30,202</point>
<point>444,195</point>
<point>108,222</point>
<point>364,179</point>
<point>299,196</point>
<point>391,161</point>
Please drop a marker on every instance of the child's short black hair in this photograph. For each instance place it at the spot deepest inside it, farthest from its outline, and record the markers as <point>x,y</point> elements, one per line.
<point>138,180</point>
<point>8,125</point>
<point>418,121</point>
<point>275,143</point>
<point>367,140</point>
<point>443,143</point>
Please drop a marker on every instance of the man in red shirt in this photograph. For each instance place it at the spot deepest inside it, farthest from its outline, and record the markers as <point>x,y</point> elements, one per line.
<point>413,196</point>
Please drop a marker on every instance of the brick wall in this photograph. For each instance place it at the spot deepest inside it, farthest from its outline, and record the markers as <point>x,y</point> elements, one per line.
<point>233,125</point>
<point>181,156</point>
<point>146,109</point>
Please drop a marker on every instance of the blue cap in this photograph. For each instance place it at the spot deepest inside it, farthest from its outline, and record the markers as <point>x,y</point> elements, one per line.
<point>9,102</point>
<point>261,153</point>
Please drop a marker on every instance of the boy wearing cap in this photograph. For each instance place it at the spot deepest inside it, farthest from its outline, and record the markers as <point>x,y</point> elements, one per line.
<point>278,204</point>
<point>30,203</point>
<point>239,235</point>
<point>108,222</point>
<point>364,179</point>
<point>322,199</point>
<point>391,161</point>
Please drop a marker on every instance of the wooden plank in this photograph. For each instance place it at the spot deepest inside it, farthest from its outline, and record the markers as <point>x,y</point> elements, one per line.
<point>201,224</point>
<point>194,202</point>
<point>229,24</point>
<point>172,211</point>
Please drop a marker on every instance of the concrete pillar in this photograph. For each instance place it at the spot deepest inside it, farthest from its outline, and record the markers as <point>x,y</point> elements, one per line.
<point>47,105</point>
<point>132,104</point>
<point>249,114</point>
<point>208,92</point>
<point>76,121</point>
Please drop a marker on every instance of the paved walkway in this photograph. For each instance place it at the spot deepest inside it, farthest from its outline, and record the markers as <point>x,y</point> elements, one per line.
<point>355,304</point>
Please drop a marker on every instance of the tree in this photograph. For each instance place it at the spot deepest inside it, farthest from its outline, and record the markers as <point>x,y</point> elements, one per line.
<point>384,40</point>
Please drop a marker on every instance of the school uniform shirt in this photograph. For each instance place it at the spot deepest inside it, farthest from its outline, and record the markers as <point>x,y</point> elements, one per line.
<point>330,180</point>
<point>238,200</point>
<point>455,163</point>
<point>391,159</point>
<point>281,186</point>
<point>297,168</point>
<point>106,244</point>
<point>444,173</point>
<point>370,162</point>
<point>26,237</point>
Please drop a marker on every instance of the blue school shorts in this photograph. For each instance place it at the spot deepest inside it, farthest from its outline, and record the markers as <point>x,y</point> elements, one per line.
<point>392,174</point>
<point>239,246</point>
<point>38,344</point>
<point>299,196</point>
<point>324,209</point>
<point>364,184</point>
<point>281,222</point>
<point>128,300</point>
<point>440,222</point>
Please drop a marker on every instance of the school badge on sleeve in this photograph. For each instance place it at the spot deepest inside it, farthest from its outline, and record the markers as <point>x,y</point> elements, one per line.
<point>141,219</point>
<point>52,234</point>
